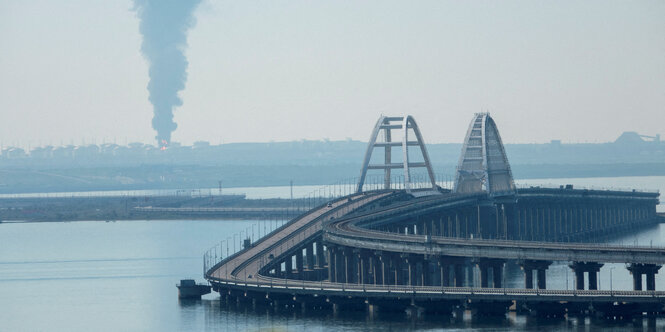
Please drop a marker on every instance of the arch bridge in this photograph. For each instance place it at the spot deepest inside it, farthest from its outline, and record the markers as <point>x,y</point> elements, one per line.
<point>397,249</point>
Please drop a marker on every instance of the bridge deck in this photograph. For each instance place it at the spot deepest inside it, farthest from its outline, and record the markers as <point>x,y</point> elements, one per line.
<point>241,271</point>
<point>247,263</point>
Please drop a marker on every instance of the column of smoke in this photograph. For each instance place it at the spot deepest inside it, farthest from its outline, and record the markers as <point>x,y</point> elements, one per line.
<point>164,25</point>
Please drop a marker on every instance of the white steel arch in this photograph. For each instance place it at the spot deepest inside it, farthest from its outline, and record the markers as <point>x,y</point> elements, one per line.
<point>387,124</point>
<point>483,165</point>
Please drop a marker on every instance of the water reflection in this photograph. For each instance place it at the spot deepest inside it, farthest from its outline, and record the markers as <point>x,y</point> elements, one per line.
<point>243,317</point>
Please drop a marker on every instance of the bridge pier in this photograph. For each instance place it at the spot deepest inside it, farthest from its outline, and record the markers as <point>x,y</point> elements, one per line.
<point>320,255</point>
<point>412,262</point>
<point>528,266</point>
<point>459,274</point>
<point>444,272</point>
<point>309,255</point>
<point>288,267</point>
<point>299,264</point>
<point>332,274</point>
<point>347,256</point>
<point>484,265</point>
<point>650,270</point>
<point>592,269</point>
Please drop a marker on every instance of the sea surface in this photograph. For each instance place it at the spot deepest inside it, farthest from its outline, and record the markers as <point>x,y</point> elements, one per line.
<point>121,276</point>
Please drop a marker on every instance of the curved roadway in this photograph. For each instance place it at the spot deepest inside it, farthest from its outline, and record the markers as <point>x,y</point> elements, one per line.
<point>241,270</point>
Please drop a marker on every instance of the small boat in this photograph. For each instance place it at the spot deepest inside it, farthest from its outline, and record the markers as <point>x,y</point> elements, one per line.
<point>189,289</point>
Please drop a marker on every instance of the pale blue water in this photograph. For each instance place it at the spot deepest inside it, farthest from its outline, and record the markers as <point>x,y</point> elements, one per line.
<point>121,276</point>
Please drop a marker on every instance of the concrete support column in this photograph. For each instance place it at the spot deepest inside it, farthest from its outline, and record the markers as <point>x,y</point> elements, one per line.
<point>365,263</point>
<point>459,274</point>
<point>579,279</point>
<point>372,269</point>
<point>528,278</point>
<point>542,278</point>
<point>637,281</point>
<point>497,269</point>
<point>397,266</point>
<point>320,257</point>
<point>288,267</point>
<point>427,273</point>
<point>340,266</point>
<point>593,279</point>
<point>332,277</point>
<point>310,256</point>
<point>358,266</point>
<point>347,259</point>
<point>385,268</point>
<point>412,261</point>
<point>444,272</point>
<point>651,281</point>
<point>299,263</point>
<point>483,275</point>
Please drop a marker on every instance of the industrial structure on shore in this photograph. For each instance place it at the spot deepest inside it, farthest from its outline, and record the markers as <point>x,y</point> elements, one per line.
<point>413,249</point>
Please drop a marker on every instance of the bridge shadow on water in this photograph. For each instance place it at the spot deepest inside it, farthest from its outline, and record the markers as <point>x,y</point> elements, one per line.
<point>216,314</point>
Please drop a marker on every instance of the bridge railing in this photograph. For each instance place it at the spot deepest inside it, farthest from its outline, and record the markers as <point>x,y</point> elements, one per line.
<point>354,288</point>
<point>235,243</point>
<point>418,181</point>
<point>525,184</point>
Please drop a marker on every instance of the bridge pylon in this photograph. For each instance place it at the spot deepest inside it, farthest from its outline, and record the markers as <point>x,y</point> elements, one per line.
<point>483,165</point>
<point>404,124</point>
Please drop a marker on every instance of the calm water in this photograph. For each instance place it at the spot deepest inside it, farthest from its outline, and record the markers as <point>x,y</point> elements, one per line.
<point>121,276</point>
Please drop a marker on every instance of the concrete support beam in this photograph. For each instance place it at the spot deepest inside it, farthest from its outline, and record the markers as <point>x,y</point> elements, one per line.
<point>542,279</point>
<point>332,274</point>
<point>310,256</point>
<point>412,262</point>
<point>444,272</point>
<point>528,278</point>
<point>320,255</point>
<point>459,274</point>
<point>299,263</point>
<point>496,265</point>
<point>579,279</point>
<point>592,269</point>
<point>528,266</point>
<point>288,267</point>
<point>650,270</point>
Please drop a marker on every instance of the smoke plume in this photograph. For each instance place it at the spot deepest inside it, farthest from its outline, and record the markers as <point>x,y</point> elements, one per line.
<point>164,25</point>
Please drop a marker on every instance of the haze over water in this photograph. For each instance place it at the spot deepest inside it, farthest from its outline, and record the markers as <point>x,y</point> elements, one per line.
<point>92,275</point>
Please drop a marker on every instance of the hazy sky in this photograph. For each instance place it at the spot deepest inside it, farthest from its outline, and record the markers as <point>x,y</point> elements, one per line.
<point>289,70</point>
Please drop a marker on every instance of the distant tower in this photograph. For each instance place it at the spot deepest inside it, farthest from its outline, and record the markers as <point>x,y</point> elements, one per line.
<point>483,165</point>
<point>403,124</point>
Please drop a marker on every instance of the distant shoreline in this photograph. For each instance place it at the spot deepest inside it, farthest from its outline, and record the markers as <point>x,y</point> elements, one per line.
<point>164,177</point>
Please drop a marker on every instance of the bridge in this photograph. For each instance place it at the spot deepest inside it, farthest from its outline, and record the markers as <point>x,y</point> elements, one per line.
<point>412,249</point>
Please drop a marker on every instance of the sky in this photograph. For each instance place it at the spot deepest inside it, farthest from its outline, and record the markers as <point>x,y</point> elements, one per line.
<point>72,72</point>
